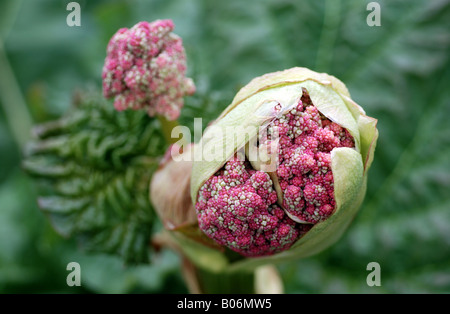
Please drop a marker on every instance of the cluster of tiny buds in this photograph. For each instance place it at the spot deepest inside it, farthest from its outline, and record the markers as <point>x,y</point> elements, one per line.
<point>145,69</point>
<point>238,206</point>
<point>306,139</point>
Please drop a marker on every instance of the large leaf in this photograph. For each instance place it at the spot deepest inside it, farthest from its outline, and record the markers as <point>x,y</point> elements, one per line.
<point>98,163</point>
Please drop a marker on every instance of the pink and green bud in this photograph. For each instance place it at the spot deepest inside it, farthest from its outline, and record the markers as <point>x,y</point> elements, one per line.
<point>145,69</point>
<point>322,145</point>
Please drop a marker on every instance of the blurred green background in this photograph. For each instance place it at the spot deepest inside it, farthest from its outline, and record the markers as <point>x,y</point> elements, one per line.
<point>399,72</point>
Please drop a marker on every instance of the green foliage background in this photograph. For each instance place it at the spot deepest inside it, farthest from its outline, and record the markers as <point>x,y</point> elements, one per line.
<point>399,72</point>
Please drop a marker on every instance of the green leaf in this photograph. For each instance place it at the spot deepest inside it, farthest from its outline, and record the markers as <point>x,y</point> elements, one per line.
<point>97,164</point>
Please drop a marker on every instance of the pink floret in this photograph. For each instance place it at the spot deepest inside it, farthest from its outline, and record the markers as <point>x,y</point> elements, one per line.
<point>145,69</point>
<point>304,171</point>
<point>237,208</point>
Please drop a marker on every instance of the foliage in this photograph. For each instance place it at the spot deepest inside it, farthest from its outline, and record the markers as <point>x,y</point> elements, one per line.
<point>99,163</point>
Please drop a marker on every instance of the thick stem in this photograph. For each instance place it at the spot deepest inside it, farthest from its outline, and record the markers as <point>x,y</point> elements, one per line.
<point>263,279</point>
<point>226,282</point>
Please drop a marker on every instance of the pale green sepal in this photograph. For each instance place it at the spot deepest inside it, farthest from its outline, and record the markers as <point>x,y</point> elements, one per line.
<point>353,107</point>
<point>369,135</point>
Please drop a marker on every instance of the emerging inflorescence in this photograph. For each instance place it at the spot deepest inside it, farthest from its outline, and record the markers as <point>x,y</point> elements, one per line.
<point>239,207</point>
<point>145,69</point>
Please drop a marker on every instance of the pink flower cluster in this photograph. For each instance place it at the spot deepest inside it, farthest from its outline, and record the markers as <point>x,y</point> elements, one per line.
<point>238,206</point>
<point>145,69</point>
<point>306,139</point>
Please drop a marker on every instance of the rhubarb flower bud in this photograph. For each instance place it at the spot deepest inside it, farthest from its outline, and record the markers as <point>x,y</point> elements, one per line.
<point>283,170</point>
<point>145,69</point>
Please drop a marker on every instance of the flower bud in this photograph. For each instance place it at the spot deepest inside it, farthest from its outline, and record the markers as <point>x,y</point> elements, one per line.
<point>283,170</point>
<point>144,69</point>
